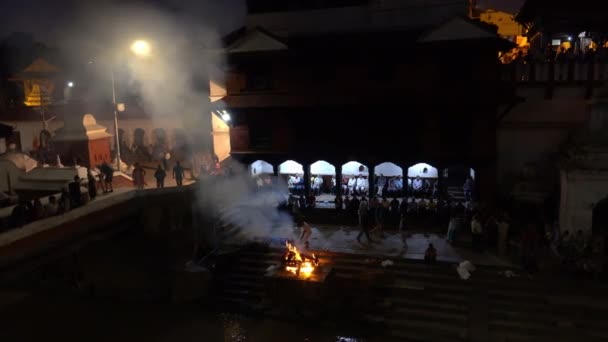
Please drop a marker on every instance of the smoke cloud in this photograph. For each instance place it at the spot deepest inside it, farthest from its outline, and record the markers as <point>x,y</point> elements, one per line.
<point>248,213</point>
<point>174,81</point>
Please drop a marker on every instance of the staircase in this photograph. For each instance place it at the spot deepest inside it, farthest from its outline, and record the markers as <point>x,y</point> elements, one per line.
<point>412,301</point>
<point>456,193</point>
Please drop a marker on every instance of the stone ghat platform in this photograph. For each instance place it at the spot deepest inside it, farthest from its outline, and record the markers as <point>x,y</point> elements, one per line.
<point>413,301</point>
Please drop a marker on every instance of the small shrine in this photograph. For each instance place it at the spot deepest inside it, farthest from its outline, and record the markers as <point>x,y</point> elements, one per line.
<point>83,142</point>
<point>584,171</point>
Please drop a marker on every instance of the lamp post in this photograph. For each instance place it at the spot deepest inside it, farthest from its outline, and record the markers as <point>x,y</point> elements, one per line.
<point>139,48</point>
<point>114,107</point>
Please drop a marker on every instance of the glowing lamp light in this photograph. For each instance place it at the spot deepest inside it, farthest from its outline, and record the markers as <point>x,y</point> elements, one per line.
<point>141,48</point>
<point>70,84</point>
<point>225,116</point>
<point>569,38</point>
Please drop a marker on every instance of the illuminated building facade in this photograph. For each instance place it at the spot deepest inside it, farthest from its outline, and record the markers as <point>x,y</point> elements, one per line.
<point>368,82</point>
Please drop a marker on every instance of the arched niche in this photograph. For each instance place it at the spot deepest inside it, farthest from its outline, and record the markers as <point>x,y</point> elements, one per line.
<point>291,167</point>
<point>354,168</point>
<point>323,178</point>
<point>422,170</point>
<point>389,180</point>
<point>355,179</point>
<point>260,167</point>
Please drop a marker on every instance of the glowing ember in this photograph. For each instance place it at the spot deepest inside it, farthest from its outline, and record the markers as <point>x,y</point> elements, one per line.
<point>301,266</point>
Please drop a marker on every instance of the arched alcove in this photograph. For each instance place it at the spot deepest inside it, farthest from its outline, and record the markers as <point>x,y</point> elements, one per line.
<point>355,178</point>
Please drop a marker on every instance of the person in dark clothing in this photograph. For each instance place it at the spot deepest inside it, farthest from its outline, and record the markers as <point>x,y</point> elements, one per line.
<point>17,218</point>
<point>92,185</point>
<point>75,193</point>
<point>178,174</point>
<point>108,176</point>
<point>430,255</point>
<point>160,175</point>
<point>394,212</point>
<point>339,205</point>
<point>529,246</point>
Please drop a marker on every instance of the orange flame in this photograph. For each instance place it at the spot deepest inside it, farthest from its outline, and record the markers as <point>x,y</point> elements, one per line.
<point>305,266</point>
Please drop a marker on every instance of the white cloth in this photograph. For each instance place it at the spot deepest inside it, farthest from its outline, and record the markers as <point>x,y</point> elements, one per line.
<point>465,269</point>
<point>417,184</point>
<point>352,182</point>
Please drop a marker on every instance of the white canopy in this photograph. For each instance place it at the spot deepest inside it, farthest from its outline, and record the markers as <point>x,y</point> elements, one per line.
<point>388,170</point>
<point>291,167</point>
<point>419,169</point>
<point>260,166</point>
<point>322,168</point>
<point>354,168</point>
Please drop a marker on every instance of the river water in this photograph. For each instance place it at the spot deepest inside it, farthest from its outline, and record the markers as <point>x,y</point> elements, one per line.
<point>44,317</point>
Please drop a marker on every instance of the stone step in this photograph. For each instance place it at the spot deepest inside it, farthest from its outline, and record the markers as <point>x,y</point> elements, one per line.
<point>436,331</point>
<point>407,312</point>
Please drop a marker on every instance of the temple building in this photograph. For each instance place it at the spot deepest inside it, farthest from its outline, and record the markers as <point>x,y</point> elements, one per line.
<point>365,82</point>
<point>48,99</point>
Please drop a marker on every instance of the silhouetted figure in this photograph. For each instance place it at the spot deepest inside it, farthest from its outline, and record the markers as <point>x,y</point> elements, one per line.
<point>178,174</point>
<point>92,185</point>
<point>108,173</point>
<point>75,192</point>
<point>52,208</point>
<point>430,255</point>
<point>18,215</point>
<point>139,175</point>
<point>160,176</point>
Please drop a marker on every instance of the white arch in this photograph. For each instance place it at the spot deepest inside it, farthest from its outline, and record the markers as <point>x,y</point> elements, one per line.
<point>419,169</point>
<point>323,168</point>
<point>353,168</point>
<point>388,169</point>
<point>260,167</point>
<point>291,167</point>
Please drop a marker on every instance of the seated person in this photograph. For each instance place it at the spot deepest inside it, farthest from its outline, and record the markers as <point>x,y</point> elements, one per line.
<point>417,185</point>
<point>430,255</point>
<point>352,183</point>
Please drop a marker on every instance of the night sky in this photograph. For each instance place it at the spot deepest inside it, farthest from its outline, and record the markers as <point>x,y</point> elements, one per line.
<point>47,19</point>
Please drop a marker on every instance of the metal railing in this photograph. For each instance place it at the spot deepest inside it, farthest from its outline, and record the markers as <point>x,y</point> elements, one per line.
<point>543,72</point>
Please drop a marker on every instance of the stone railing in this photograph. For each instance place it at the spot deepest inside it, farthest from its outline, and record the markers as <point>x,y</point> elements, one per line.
<point>543,72</point>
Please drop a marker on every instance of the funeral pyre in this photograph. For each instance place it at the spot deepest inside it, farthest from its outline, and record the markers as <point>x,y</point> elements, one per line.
<point>300,264</point>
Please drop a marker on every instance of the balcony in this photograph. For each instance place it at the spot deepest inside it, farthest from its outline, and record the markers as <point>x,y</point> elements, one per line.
<point>574,73</point>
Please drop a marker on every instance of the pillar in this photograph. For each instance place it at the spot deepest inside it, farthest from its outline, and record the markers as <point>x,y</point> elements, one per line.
<point>440,180</point>
<point>306,167</point>
<point>338,179</point>
<point>372,181</point>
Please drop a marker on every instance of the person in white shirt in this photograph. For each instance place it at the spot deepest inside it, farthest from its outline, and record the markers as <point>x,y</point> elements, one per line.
<point>352,182</point>
<point>318,184</point>
<point>417,186</point>
<point>359,184</point>
<point>398,184</point>
<point>380,184</point>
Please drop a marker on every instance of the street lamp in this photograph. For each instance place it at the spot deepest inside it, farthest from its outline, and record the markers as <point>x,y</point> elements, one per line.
<point>140,48</point>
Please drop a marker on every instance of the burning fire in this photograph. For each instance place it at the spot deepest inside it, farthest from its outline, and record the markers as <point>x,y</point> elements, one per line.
<point>297,264</point>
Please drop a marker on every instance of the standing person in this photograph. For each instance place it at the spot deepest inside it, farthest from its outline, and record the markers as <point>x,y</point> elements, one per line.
<point>468,189</point>
<point>160,175</point>
<point>380,184</point>
<point>52,208</point>
<point>452,226</point>
<point>503,235</point>
<point>306,233</point>
<point>476,234</point>
<point>108,174</point>
<point>92,184</point>
<point>363,220</point>
<point>339,205</point>
<point>101,182</point>
<point>403,229</point>
<point>166,159</point>
<point>529,246</point>
<point>139,175</point>
<point>75,193</point>
<point>178,174</point>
